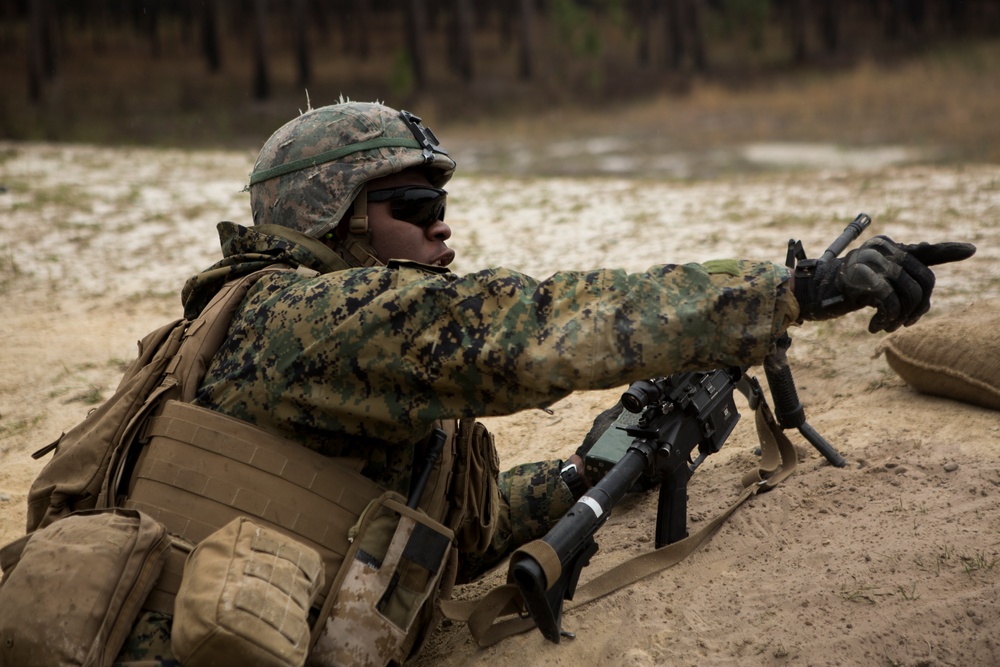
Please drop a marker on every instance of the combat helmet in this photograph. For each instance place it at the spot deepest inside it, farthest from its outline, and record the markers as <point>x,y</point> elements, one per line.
<point>313,168</point>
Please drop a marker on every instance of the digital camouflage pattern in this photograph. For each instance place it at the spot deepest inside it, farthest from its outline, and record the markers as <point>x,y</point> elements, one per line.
<point>149,643</point>
<point>313,199</point>
<point>379,353</point>
<point>533,497</point>
<point>359,363</point>
<point>352,634</point>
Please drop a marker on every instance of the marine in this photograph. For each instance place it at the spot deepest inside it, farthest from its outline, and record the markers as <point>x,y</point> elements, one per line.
<point>364,345</point>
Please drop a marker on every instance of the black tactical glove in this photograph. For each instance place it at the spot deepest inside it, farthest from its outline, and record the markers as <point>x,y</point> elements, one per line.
<point>891,277</point>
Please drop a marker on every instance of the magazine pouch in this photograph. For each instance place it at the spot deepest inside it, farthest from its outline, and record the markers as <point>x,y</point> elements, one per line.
<point>391,571</point>
<point>245,598</point>
<point>71,591</point>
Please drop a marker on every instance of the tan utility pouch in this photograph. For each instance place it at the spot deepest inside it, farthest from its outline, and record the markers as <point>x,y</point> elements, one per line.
<point>201,469</point>
<point>71,591</point>
<point>394,565</point>
<point>474,488</point>
<point>245,599</point>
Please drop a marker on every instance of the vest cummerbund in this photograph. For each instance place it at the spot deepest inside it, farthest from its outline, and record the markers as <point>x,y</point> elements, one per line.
<point>200,469</point>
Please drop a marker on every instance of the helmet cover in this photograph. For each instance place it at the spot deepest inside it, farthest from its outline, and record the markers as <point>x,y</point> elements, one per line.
<point>309,172</point>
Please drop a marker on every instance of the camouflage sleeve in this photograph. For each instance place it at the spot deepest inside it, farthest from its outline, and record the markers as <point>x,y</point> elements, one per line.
<point>383,352</point>
<point>497,342</point>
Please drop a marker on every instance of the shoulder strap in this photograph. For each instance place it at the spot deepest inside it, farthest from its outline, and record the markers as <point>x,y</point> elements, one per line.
<point>778,461</point>
<point>205,334</point>
<point>200,339</point>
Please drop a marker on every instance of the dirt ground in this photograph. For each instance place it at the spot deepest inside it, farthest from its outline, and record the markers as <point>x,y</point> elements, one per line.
<point>891,560</point>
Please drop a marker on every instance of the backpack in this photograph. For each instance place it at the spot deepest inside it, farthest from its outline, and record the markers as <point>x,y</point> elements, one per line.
<point>77,476</point>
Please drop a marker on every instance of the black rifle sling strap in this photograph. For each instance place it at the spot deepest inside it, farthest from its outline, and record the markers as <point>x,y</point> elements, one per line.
<point>778,460</point>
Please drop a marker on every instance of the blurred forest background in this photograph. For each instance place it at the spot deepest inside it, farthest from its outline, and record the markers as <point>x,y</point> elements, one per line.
<point>226,73</point>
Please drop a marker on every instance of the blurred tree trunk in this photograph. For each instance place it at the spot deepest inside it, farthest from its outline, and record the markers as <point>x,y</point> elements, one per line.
<point>675,33</point>
<point>526,66</point>
<point>302,58</point>
<point>917,14</point>
<point>830,20</point>
<point>187,20</point>
<point>696,12</point>
<point>415,30</point>
<point>353,18</point>
<point>898,17</point>
<point>210,46</point>
<point>644,11</point>
<point>506,11</point>
<point>798,18</point>
<point>362,11</point>
<point>96,19</point>
<point>262,76</point>
<point>685,33</point>
<point>148,21</point>
<point>41,47</point>
<point>460,42</point>
<point>7,14</point>
<point>356,30</point>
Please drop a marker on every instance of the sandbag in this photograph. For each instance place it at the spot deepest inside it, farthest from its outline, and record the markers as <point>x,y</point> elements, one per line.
<point>956,357</point>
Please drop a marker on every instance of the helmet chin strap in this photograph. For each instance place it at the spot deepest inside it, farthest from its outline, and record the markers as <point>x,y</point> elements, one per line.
<point>357,249</point>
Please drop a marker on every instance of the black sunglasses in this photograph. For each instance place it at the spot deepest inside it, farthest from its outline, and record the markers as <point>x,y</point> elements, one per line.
<point>420,205</point>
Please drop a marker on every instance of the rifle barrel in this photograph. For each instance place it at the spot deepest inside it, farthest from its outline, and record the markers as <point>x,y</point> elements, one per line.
<point>852,232</point>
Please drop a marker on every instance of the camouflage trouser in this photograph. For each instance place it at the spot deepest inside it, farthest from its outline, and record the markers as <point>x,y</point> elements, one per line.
<point>149,643</point>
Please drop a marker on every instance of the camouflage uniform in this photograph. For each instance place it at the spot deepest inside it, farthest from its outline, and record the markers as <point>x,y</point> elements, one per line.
<point>149,643</point>
<point>358,360</point>
<point>360,363</point>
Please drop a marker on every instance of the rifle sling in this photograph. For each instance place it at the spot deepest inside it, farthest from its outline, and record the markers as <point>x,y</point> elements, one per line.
<point>778,461</point>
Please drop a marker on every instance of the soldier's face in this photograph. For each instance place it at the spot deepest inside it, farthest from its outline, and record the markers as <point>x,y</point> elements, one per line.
<point>398,239</point>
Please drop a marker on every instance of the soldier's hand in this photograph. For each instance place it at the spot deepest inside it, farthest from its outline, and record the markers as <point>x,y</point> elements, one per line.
<point>893,278</point>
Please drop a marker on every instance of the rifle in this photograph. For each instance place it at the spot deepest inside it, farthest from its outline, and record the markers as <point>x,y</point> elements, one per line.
<point>651,442</point>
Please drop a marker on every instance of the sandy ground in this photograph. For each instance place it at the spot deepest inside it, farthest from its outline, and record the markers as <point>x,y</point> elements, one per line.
<point>891,560</point>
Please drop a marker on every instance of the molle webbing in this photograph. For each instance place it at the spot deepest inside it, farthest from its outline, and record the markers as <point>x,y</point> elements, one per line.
<point>201,469</point>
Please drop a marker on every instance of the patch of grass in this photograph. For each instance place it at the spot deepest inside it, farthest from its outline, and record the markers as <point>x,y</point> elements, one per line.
<point>978,562</point>
<point>119,364</point>
<point>793,220</point>
<point>761,649</point>
<point>61,195</point>
<point>934,563</point>
<point>193,211</point>
<point>92,395</point>
<point>879,383</point>
<point>908,595</point>
<point>946,557</point>
<point>890,214</point>
<point>863,594</point>
<point>9,270</point>
<point>871,595</point>
<point>19,426</point>
<point>898,507</point>
<point>8,154</point>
